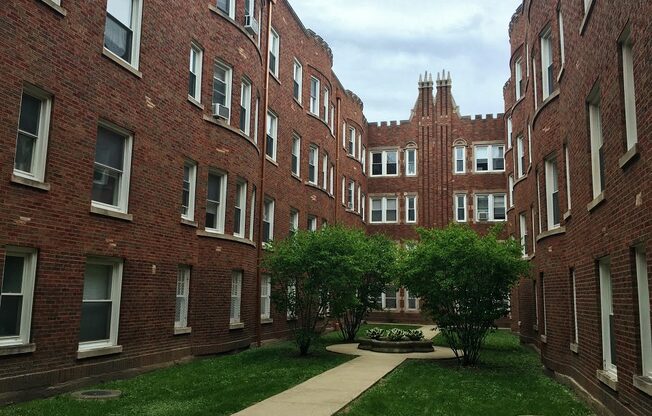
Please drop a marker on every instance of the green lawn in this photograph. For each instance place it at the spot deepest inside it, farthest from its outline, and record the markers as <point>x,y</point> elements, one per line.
<point>212,386</point>
<point>509,381</point>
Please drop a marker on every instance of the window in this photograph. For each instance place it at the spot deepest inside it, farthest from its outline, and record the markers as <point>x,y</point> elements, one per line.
<point>250,10</point>
<point>547,76</point>
<point>644,310</point>
<point>490,207</point>
<point>510,189</point>
<point>265,297</point>
<point>351,143</point>
<point>252,214</point>
<point>312,223</point>
<point>363,206</point>
<point>609,357</point>
<point>490,158</point>
<point>314,96</point>
<point>122,29</point>
<point>112,168</point>
<point>245,107</point>
<point>576,338</point>
<point>411,301</point>
<point>194,83</point>
<point>460,159</point>
<point>101,304</point>
<point>332,119</point>
<point>240,209</point>
<point>268,220</point>
<point>534,79</point>
<point>562,51</point>
<point>460,207</point>
<point>363,159</point>
<point>629,91</point>
<point>359,198</point>
<point>543,303</point>
<point>236,296</point>
<point>227,7</point>
<point>33,133</point>
<point>411,209</point>
<point>597,149</point>
<point>331,179</point>
<point>324,172</point>
<point>216,202</point>
<point>272,130</point>
<point>410,162</point>
<point>222,79</point>
<point>359,146</point>
<point>536,173</point>
<point>390,298</point>
<point>384,210</point>
<point>296,155</point>
<point>587,5</point>
<point>326,104</point>
<point>536,304</point>
<point>188,195</point>
<point>350,195</point>
<point>529,143</point>
<point>518,75</point>
<point>274,45</point>
<point>520,156</point>
<point>183,289</point>
<point>509,132</point>
<point>313,162</point>
<point>343,190</point>
<point>384,163</point>
<point>294,221</point>
<point>522,229</point>
<point>16,295</point>
<point>256,121</point>
<point>552,194</point>
<point>568,185</point>
<point>297,77</point>
<point>534,240</point>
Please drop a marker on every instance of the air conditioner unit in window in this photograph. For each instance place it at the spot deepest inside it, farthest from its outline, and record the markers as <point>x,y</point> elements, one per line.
<point>220,111</point>
<point>483,216</point>
<point>251,25</point>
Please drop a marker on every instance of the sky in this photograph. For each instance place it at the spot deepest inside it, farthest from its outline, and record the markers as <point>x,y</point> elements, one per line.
<point>381,46</point>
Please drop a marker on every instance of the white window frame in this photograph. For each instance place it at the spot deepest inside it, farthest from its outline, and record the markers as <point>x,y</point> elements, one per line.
<point>265,298</point>
<point>296,155</point>
<point>228,82</point>
<point>518,76</point>
<point>344,190</point>
<point>543,303</point>
<point>268,216</point>
<point>192,171</point>
<point>324,171</point>
<point>312,223</point>
<point>331,180</point>
<point>522,231</point>
<point>510,132</point>
<point>241,204</point>
<point>350,149</point>
<point>123,193</point>
<point>597,142</point>
<point>567,173</point>
<point>552,187</point>
<point>363,160</point>
<point>520,157</point>
<point>534,79</point>
<point>235,315</point>
<point>547,75</point>
<point>629,89</point>
<point>456,158</point>
<point>510,189</point>
<point>410,200</point>
<point>294,221</point>
<point>40,149</point>
<point>313,164</point>
<point>606,311</point>
<point>245,103</point>
<point>363,206</point>
<point>297,77</point>
<point>256,120</point>
<point>183,292</point>
<point>408,171</point>
<point>272,132</point>
<point>331,123</point>
<point>327,93</point>
<point>384,209</point>
<point>490,158</point>
<point>252,214</point>
<point>644,310</point>
<point>407,302</point>
<point>562,46</point>
<point>231,11</point>
<point>136,22</point>
<point>116,289</point>
<point>350,196</point>
<point>197,72</point>
<point>359,199</point>
<point>491,200</point>
<point>576,332</point>
<point>384,300</point>
<point>30,258</point>
<point>456,207</point>
<point>274,50</point>
<point>315,93</point>
<point>220,214</point>
<point>384,154</point>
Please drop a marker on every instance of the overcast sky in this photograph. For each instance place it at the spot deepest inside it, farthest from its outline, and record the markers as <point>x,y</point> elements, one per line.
<point>381,46</point>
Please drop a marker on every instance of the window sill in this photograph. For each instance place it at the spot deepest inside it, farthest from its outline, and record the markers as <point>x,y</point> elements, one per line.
<point>266,321</point>
<point>98,352</point>
<point>195,102</point>
<point>575,348</point>
<point>295,177</point>
<point>608,379</point>
<point>521,179</point>
<point>189,223</point>
<point>182,331</point>
<point>239,325</point>
<point>551,233</point>
<point>544,339</point>
<point>596,202</point>
<point>274,76</point>
<point>272,161</point>
<point>43,186</point>
<point>55,7</point>
<point>628,157</point>
<point>122,63</point>
<point>298,102</point>
<point>567,215</point>
<point>112,214</point>
<point>220,236</point>
<point>225,125</point>
<point>644,384</point>
<point>17,349</point>
<point>488,172</point>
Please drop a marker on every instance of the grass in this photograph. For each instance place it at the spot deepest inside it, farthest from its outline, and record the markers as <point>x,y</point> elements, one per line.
<point>509,381</point>
<point>212,386</point>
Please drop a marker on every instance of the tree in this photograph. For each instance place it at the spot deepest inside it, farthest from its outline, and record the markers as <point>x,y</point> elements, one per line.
<point>377,258</point>
<point>464,280</point>
<point>310,272</point>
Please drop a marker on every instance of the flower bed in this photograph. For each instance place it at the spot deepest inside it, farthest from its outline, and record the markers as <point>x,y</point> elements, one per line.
<point>395,341</point>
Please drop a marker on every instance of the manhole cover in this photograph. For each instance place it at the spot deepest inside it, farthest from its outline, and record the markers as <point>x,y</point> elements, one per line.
<point>97,394</point>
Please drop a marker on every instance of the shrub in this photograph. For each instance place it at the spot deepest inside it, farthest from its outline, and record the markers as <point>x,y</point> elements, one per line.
<point>414,334</point>
<point>375,333</point>
<point>395,334</point>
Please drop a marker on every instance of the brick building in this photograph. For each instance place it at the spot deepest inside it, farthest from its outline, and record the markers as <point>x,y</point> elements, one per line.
<point>579,120</point>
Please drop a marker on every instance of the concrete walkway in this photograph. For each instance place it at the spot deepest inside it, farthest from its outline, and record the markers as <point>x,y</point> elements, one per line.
<point>327,393</point>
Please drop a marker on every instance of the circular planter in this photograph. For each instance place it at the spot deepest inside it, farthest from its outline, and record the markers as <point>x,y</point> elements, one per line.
<point>396,347</point>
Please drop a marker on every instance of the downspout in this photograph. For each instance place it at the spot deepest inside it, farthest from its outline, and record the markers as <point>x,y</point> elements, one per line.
<point>261,192</point>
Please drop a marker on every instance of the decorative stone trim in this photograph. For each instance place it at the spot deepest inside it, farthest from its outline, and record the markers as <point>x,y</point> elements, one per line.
<point>550,233</point>
<point>43,186</point>
<point>239,325</point>
<point>17,349</point>
<point>607,379</point>
<point>98,352</point>
<point>182,331</point>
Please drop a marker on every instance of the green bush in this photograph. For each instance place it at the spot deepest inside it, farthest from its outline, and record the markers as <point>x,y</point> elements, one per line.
<point>395,334</point>
<point>375,333</point>
<point>414,334</point>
